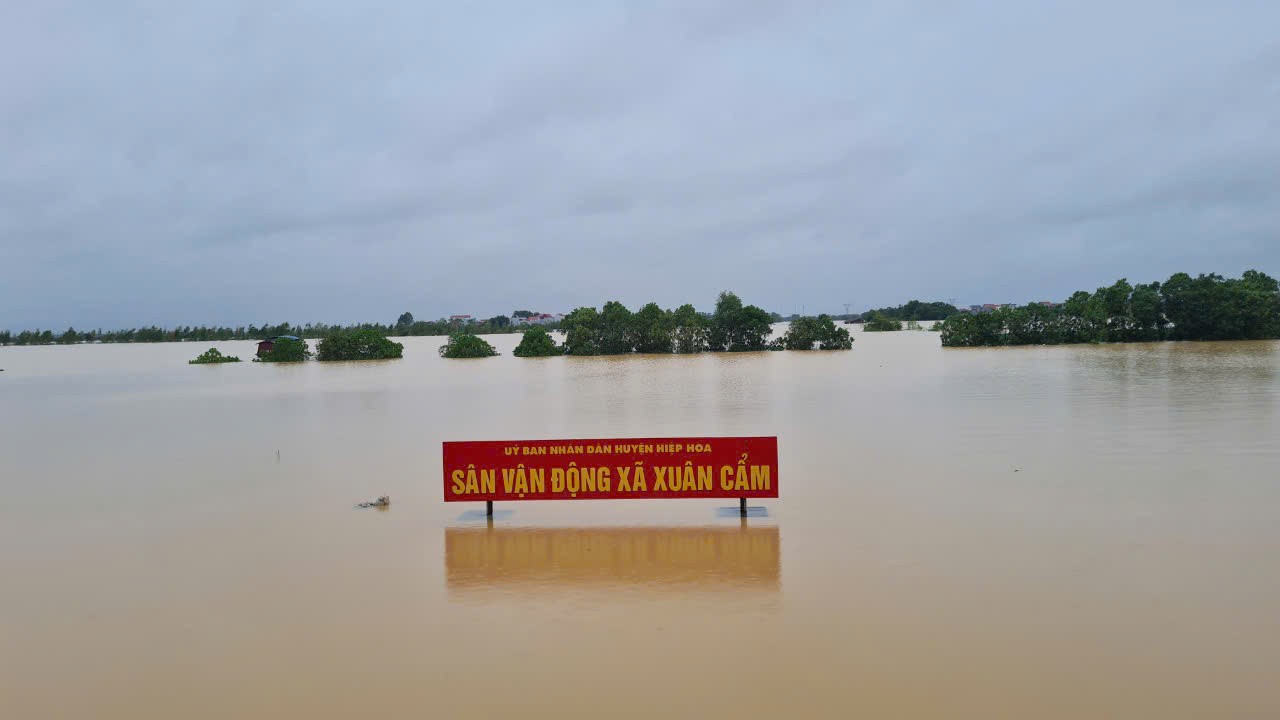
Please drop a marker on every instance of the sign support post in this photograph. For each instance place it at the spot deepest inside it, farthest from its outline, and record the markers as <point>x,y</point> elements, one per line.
<point>742,507</point>
<point>488,508</point>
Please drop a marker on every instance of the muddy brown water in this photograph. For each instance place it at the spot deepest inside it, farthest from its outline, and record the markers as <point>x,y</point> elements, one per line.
<point>1062,532</point>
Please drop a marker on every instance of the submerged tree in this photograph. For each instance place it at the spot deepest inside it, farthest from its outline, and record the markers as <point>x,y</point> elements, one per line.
<point>738,328</point>
<point>581,332</point>
<point>689,330</point>
<point>365,344</point>
<point>1207,307</point>
<point>807,332</point>
<point>651,330</point>
<point>465,345</point>
<point>613,333</point>
<point>537,342</point>
<point>880,323</point>
<point>916,310</point>
<point>212,357</point>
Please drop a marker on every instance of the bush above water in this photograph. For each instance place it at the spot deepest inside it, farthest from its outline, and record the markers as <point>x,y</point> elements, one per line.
<point>615,330</point>
<point>364,344</point>
<point>806,332</point>
<point>465,345</point>
<point>537,342</point>
<point>211,357</point>
<point>880,323</point>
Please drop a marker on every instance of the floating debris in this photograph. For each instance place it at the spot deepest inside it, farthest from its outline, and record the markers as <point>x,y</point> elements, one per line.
<point>383,501</point>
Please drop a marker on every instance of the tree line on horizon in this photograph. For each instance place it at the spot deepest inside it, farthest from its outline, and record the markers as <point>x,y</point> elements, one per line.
<point>1207,307</point>
<point>733,327</point>
<point>915,310</point>
<point>405,326</point>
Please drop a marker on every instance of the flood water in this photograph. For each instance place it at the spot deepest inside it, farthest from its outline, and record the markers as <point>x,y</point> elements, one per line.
<point>1071,532</point>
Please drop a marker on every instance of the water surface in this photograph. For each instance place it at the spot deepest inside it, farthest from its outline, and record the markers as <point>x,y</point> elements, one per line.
<point>1036,532</point>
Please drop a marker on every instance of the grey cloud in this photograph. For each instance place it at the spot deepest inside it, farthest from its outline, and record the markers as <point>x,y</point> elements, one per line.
<point>415,156</point>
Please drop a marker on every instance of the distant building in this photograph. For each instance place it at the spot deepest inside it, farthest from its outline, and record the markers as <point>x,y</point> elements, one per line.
<point>463,319</point>
<point>992,307</point>
<point>538,319</point>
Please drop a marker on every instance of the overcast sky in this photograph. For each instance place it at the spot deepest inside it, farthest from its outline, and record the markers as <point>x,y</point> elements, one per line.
<point>235,162</point>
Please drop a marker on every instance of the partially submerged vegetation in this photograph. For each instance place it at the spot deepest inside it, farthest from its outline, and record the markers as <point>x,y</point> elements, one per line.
<point>537,342</point>
<point>915,310</point>
<point>404,326</point>
<point>615,330</point>
<point>361,344</point>
<point>212,357</point>
<point>284,350</point>
<point>807,332</point>
<point>1208,307</point>
<point>466,345</point>
<point>879,323</point>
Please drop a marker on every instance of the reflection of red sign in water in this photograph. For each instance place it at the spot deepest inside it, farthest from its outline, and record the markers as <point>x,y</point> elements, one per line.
<point>611,469</point>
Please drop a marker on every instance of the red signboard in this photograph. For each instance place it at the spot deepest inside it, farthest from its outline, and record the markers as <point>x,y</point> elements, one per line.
<point>611,469</point>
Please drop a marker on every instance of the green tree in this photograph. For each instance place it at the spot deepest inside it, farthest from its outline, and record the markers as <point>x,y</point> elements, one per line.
<point>1147,311</point>
<point>286,350</point>
<point>211,357</point>
<point>1191,305</point>
<point>614,329</point>
<point>362,344</point>
<point>1253,300</point>
<point>581,329</point>
<point>689,330</point>
<point>466,345</point>
<point>806,333</point>
<point>916,310</point>
<point>404,323</point>
<point>1267,289</point>
<point>724,321</point>
<point>972,330</point>
<point>537,342</point>
<point>833,337</point>
<point>738,328</point>
<point>651,330</point>
<point>69,337</point>
<point>801,335</point>
<point>1206,307</point>
<point>880,323</point>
